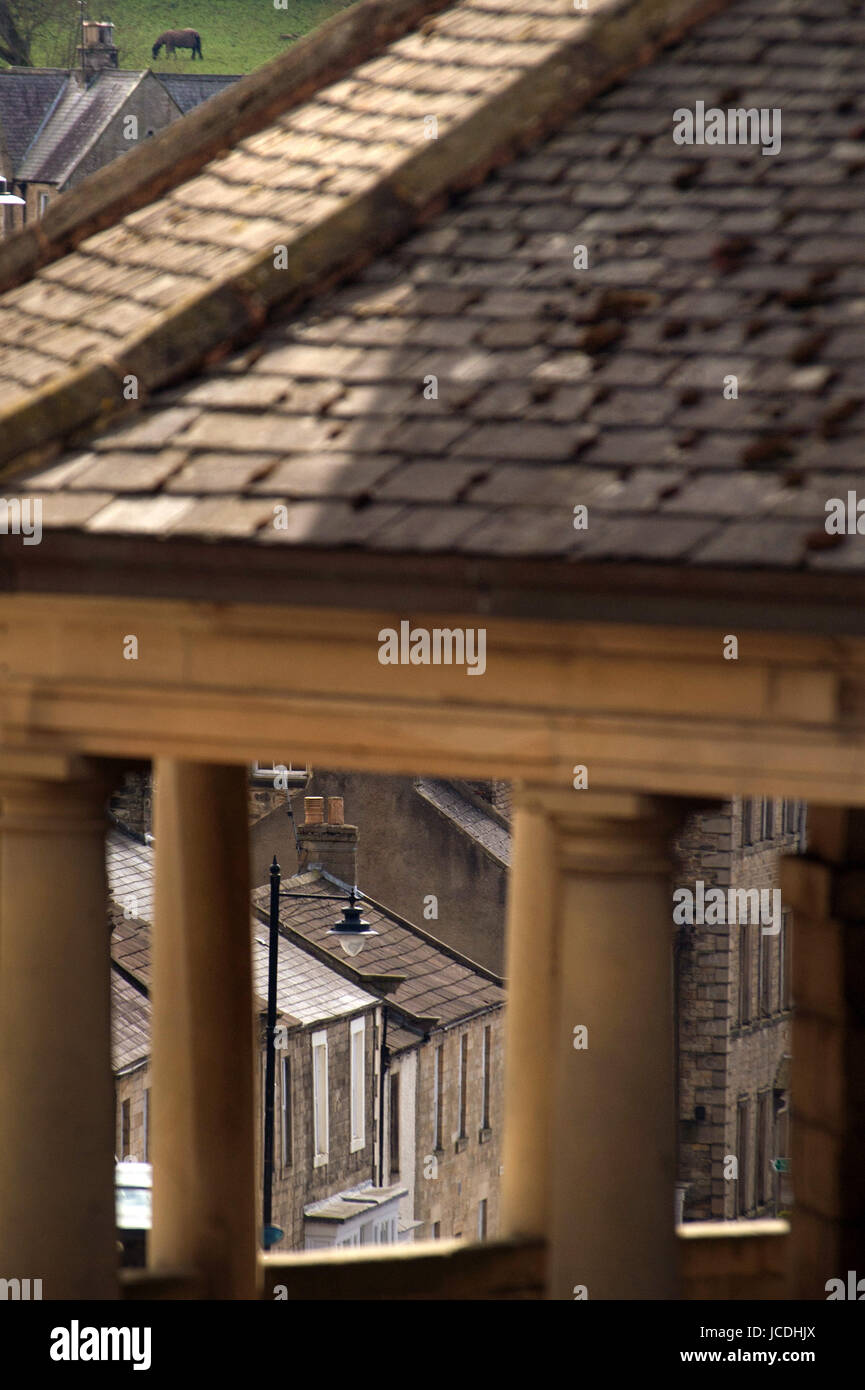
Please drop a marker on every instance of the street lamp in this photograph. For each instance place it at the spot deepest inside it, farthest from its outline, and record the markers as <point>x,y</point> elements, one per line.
<point>352,931</point>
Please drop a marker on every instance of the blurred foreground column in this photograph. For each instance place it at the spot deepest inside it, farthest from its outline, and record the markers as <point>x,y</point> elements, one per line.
<point>56,1089</point>
<point>203,1141</point>
<point>826,890</point>
<point>589,1140</point>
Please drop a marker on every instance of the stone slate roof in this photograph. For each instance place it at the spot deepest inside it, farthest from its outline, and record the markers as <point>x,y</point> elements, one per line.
<point>130,1023</point>
<point>188,90</point>
<point>307,989</point>
<point>26,97</point>
<point>556,386</point>
<point>494,838</point>
<point>440,984</point>
<point>78,119</point>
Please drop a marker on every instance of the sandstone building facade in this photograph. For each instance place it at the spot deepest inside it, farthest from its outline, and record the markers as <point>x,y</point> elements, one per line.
<point>734,1017</point>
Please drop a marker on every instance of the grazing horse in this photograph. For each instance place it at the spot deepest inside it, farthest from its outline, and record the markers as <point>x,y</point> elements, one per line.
<point>178,38</point>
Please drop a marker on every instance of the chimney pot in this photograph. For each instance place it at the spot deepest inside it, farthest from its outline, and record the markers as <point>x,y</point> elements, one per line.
<point>335,810</point>
<point>313,810</point>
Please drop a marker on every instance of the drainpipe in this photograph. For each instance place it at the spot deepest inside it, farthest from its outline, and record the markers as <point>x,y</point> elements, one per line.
<point>385,1064</point>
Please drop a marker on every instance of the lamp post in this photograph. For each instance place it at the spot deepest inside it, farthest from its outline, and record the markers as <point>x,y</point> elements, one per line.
<point>351,933</point>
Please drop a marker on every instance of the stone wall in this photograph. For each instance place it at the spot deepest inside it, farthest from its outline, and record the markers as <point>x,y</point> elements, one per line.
<point>723,1059</point>
<point>299,1182</point>
<point>131,1088</point>
<point>406,851</point>
<point>466,1170</point>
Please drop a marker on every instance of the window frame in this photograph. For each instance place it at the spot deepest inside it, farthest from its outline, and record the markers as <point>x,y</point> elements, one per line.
<point>286,1125</point>
<point>744,991</point>
<point>357,1085</point>
<point>487,1079</point>
<point>320,1103</point>
<point>463,1089</point>
<point>393,1126</point>
<point>742,1135</point>
<point>438,1097</point>
<point>125,1128</point>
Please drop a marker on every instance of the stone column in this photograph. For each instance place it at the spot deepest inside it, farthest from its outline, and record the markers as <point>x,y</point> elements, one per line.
<point>826,891</point>
<point>529,1015</point>
<point>205,1190</point>
<point>56,1090</point>
<point>590,998</point>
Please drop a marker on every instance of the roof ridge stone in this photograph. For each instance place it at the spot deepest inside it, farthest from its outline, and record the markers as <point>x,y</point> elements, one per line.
<point>174,155</point>
<point>350,230</point>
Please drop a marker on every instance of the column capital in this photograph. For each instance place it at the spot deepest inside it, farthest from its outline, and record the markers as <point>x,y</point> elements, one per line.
<point>33,765</point>
<point>61,795</point>
<point>621,833</point>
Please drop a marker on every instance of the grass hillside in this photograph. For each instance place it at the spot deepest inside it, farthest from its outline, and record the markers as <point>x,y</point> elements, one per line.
<point>236,35</point>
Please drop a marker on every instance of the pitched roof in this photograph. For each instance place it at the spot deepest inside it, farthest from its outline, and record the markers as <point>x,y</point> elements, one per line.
<point>190,89</point>
<point>130,1022</point>
<point>78,119</point>
<point>481,826</point>
<point>26,97</point>
<point>346,160</point>
<point>307,989</point>
<point>556,386</point>
<point>439,983</point>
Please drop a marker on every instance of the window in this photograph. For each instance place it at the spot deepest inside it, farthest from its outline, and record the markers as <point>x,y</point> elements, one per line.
<point>286,1112</point>
<point>744,973</point>
<point>464,1079</point>
<point>791,817</point>
<point>437,1230</point>
<point>394,1125</point>
<point>44,200</point>
<point>485,1104</point>
<point>764,975</point>
<point>319,1099</point>
<point>742,1157</point>
<point>482,1219</point>
<point>747,822</point>
<point>768,827</point>
<point>438,1096</point>
<point>763,1146</point>
<point>358,1068</point>
<point>147,1124</point>
<point>125,1129</point>
<point>784,943</point>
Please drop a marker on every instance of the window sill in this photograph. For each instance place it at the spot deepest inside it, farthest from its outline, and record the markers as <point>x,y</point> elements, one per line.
<point>461,1144</point>
<point>484,1135</point>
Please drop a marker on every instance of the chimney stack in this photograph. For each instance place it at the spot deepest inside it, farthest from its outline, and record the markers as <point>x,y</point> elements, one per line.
<point>98,52</point>
<point>328,844</point>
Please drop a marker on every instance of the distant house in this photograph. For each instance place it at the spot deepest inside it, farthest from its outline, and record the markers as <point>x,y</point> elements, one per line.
<point>442,1057</point>
<point>436,852</point>
<point>59,125</point>
<point>389,1071</point>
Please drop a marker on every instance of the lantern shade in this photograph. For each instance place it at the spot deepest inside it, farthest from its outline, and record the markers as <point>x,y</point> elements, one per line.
<point>352,931</point>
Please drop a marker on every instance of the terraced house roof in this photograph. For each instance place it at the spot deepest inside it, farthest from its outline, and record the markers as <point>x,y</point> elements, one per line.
<point>433,985</point>
<point>390,341</point>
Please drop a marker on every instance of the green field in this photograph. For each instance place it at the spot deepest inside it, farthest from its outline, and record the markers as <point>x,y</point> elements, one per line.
<point>236,35</point>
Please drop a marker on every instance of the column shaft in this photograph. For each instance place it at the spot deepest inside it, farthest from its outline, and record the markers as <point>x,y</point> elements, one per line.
<point>203,1097</point>
<point>528,1025</point>
<point>56,1092</point>
<point>590,1128</point>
